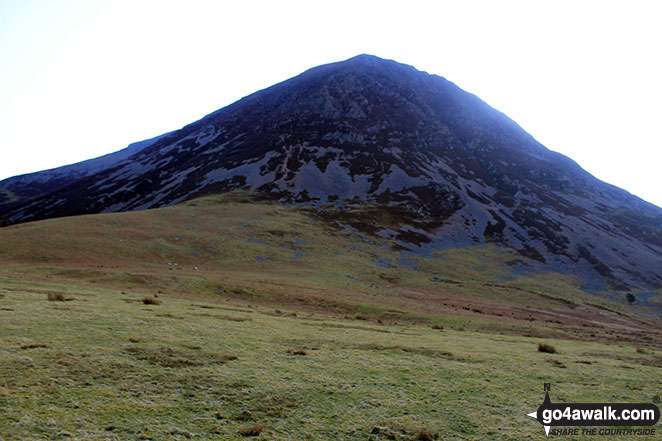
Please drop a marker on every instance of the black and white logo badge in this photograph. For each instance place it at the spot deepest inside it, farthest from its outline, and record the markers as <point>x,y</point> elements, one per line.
<point>596,414</point>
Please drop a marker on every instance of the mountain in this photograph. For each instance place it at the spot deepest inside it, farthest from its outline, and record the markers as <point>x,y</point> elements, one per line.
<point>453,171</point>
<point>18,189</point>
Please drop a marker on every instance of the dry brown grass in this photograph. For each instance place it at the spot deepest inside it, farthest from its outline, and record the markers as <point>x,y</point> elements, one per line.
<point>221,317</point>
<point>277,403</point>
<point>254,430</point>
<point>169,357</point>
<point>168,315</point>
<point>178,432</point>
<point>557,363</point>
<point>421,351</point>
<point>426,435</point>
<point>397,430</point>
<point>297,352</point>
<point>364,328</point>
<point>544,347</point>
<point>34,345</point>
<point>655,360</point>
<point>268,405</point>
<point>226,308</point>
<point>166,357</point>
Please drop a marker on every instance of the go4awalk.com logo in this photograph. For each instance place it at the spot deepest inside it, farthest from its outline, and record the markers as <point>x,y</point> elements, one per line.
<point>619,419</point>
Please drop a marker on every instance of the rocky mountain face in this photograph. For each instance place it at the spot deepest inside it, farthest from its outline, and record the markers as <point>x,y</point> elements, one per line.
<point>376,131</point>
<point>18,189</point>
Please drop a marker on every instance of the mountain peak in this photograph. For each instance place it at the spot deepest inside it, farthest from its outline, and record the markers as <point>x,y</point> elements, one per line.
<point>370,65</point>
<point>453,170</point>
<point>365,58</point>
<point>372,60</point>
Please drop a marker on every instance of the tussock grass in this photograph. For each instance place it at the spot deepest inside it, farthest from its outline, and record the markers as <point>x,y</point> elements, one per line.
<point>297,352</point>
<point>254,430</point>
<point>169,357</point>
<point>166,357</point>
<point>56,297</point>
<point>267,405</point>
<point>179,432</point>
<point>544,347</point>
<point>34,345</point>
<point>151,301</point>
<point>347,326</point>
<point>171,316</point>
<point>223,317</point>
<point>421,351</point>
<point>404,430</point>
<point>426,435</point>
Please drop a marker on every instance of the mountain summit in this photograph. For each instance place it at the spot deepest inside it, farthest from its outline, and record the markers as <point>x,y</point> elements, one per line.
<point>368,130</point>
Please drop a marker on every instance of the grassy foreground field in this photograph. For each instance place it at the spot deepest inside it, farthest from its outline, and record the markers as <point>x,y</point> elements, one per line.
<point>270,324</point>
<point>107,366</point>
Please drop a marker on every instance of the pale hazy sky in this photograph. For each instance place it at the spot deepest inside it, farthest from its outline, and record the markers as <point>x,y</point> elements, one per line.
<point>81,78</point>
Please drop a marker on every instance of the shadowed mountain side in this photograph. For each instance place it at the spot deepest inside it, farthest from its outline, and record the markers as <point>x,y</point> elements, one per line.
<point>16,190</point>
<point>455,171</point>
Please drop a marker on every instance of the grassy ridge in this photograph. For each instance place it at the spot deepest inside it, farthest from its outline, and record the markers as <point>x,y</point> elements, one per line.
<point>230,246</point>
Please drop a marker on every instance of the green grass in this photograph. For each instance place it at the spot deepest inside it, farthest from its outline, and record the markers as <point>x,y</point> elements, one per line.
<point>273,251</point>
<point>106,366</point>
<point>328,338</point>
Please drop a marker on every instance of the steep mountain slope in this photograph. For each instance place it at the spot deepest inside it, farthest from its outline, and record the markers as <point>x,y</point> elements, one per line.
<point>16,190</point>
<point>454,170</point>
